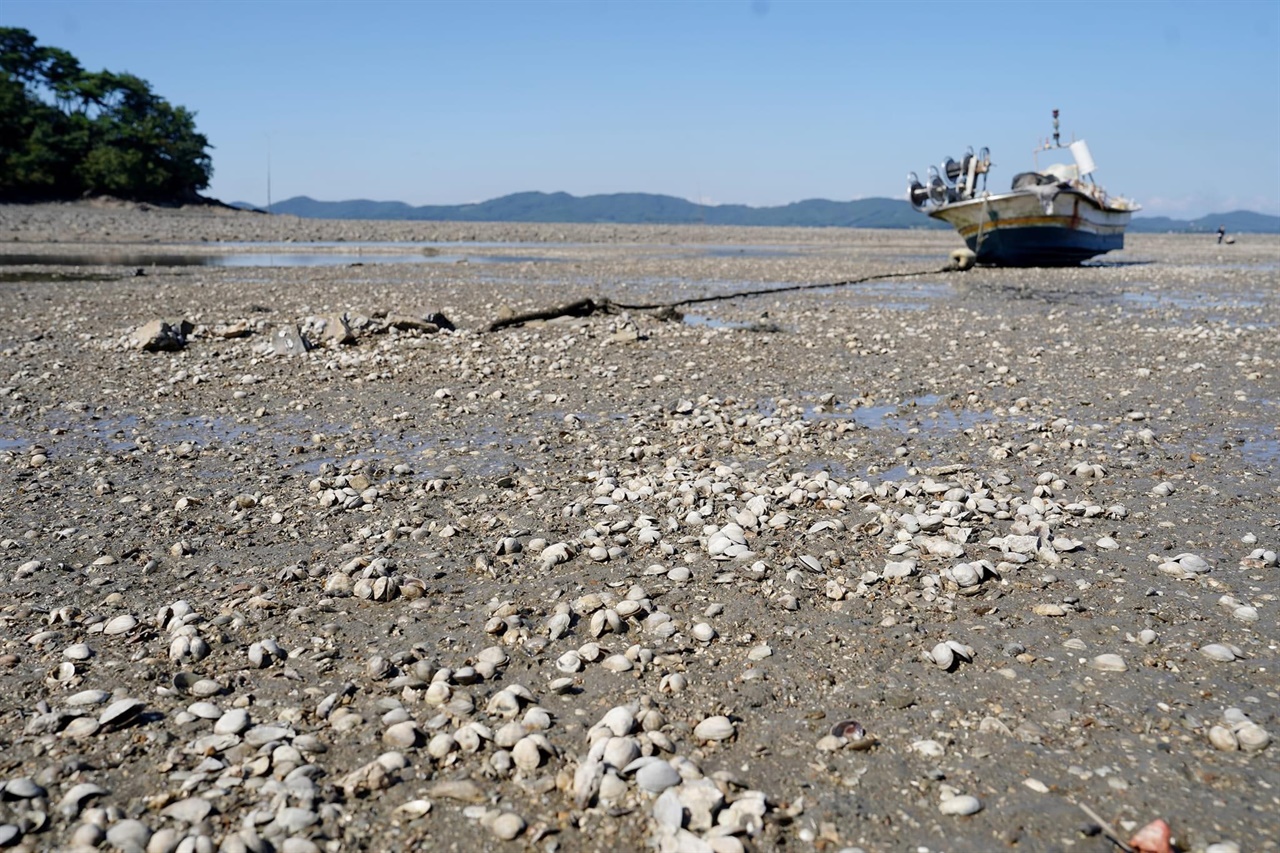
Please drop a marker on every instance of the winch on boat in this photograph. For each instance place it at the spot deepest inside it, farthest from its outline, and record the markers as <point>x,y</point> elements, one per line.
<point>1055,216</point>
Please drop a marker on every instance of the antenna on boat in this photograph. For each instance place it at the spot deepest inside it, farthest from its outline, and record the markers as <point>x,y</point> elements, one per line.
<point>1056,142</point>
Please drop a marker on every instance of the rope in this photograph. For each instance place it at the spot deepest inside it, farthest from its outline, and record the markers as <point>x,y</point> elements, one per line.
<point>788,289</point>
<point>587,307</point>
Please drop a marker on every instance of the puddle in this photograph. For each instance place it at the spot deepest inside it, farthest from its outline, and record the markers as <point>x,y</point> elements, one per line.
<point>1264,453</point>
<point>51,277</point>
<point>336,253</point>
<point>1198,302</point>
<point>906,296</point>
<point>896,474</point>
<point>485,454</point>
<point>922,413</point>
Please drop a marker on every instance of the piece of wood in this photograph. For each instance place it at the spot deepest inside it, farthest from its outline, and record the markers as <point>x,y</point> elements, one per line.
<point>581,308</point>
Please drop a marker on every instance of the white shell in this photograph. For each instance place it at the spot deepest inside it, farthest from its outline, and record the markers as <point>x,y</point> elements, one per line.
<point>1218,652</point>
<point>1252,737</point>
<point>1223,739</point>
<point>527,754</point>
<point>1109,663</point>
<point>714,728</point>
<point>942,656</point>
<point>619,720</point>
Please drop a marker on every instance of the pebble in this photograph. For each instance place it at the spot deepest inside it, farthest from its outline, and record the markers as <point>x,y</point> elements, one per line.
<point>233,722</point>
<point>507,826</point>
<point>191,810</point>
<point>963,804</point>
<point>129,835</point>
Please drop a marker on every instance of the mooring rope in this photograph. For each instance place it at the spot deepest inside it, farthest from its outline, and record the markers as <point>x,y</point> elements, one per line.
<point>721,297</point>
<point>586,307</point>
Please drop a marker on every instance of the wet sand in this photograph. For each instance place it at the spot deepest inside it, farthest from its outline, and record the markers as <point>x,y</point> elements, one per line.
<point>773,511</point>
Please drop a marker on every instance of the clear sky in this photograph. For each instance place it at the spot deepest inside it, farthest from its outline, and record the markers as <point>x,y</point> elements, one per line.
<point>734,101</point>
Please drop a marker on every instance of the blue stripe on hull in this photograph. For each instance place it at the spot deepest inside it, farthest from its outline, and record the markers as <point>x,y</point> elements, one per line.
<point>1041,247</point>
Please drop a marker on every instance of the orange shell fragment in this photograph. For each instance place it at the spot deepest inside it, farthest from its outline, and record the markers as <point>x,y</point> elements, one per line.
<point>1155,837</point>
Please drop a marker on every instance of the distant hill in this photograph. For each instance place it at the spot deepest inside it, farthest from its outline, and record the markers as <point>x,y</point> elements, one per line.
<point>1236,222</point>
<point>647,208</point>
<point>621,208</point>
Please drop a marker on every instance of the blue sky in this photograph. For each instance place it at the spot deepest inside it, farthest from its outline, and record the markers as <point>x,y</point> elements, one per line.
<point>756,103</point>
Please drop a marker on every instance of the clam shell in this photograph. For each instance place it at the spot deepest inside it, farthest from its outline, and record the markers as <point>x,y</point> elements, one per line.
<point>1223,739</point>
<point>714,728</point>
<point>121,712</point>
<point>1252,737</point>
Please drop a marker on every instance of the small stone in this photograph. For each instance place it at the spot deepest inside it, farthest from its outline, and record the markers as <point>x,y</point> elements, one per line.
<point>129,834</point>
<point>191,810</point>
<point>964,804</point>
<point>463,790</point>
<point>507,826</point>
<point>233,722</point>
<point>292,819</point>
<point>668,811</point>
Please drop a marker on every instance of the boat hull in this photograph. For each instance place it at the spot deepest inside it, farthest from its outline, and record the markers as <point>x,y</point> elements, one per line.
<point>1036,229</point>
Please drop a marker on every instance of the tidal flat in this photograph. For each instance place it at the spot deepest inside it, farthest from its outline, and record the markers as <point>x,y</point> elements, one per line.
<point>924,563</point>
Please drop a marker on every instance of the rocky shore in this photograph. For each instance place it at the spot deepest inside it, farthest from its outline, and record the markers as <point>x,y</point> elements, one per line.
<point>925,564</point>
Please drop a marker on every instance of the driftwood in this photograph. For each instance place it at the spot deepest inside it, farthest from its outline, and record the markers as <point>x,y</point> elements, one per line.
<point>581,308</point>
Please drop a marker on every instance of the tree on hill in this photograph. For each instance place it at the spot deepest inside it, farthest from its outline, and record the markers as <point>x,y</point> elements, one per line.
<point>67,133</point>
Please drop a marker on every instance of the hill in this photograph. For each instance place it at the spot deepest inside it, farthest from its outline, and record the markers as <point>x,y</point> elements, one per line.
<point>647,208</point>
<point>1236,222</point>
<point>622,208</point>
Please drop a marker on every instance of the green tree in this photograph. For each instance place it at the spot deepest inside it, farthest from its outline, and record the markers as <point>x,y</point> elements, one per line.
<point>66,133</point>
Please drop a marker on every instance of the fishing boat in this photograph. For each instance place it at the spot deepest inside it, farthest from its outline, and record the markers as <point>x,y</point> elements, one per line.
<point>1052,216</point>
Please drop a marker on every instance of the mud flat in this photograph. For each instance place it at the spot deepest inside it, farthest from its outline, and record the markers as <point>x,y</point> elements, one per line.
<point>918,564</point>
